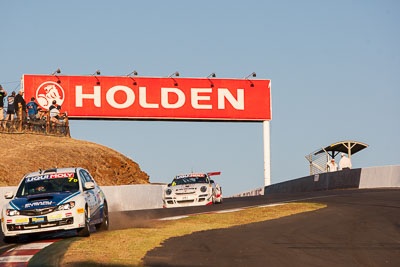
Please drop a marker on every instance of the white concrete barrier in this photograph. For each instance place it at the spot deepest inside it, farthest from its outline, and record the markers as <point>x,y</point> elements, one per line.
<point>254,192</point>
<point>378,177</point>
<point>371,177</point>
<point>120,198</point>
<point>133,197</point>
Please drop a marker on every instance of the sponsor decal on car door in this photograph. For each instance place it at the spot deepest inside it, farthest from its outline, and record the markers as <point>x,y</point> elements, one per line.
<point>89,194</point>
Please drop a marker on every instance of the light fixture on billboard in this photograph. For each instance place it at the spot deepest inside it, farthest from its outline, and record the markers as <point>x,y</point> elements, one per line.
<point>133,73</point>
<point>212,75</point>
<point>57,71</point>
<point>97,72</point>
<point>253,74</point>
<point>176,74</point>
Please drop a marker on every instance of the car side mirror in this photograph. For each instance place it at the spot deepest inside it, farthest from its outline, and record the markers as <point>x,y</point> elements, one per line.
<point>212,181</point>
<point>88,185</point>
<point>169,185</point>
<point>8,195</point>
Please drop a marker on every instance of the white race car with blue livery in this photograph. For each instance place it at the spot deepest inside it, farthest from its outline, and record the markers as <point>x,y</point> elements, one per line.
<point>192,189</point>
<point>54,200</point>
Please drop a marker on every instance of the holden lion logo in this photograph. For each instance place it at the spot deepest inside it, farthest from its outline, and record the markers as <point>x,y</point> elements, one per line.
<point>49,91</point>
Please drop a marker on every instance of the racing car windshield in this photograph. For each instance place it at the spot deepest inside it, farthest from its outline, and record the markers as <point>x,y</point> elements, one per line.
<point>191,180</point>
<point>53,183</point>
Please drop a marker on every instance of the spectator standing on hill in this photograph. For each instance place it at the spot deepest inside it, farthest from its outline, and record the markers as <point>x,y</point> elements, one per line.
<point>32,108</point>
<point>54,112</point>
<point>332,166</point>
<point>344,163</point>
<point>2,95</point>
<point>19,99</point>
<point>11,106</point>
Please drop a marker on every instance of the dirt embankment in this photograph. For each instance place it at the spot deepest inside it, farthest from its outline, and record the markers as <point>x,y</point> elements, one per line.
<point>24,153</point>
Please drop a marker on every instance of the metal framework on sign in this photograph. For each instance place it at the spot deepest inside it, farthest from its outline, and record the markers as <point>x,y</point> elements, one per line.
<point>319,158</point>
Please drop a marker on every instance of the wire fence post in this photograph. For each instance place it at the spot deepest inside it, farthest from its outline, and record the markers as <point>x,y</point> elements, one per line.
<point>47,122</point>
<point>67,125</point>
<point>19,117</point>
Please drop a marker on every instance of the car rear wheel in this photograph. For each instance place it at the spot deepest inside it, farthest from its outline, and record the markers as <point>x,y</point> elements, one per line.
<point>85,231</point>
<point>104,225</point>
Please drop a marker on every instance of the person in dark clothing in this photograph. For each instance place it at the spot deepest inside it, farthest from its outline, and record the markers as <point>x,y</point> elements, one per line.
<point>2,95</point>
<point>11,106</point>
<point>19,99</point>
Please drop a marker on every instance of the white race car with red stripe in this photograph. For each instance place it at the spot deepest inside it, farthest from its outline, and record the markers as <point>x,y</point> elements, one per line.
<point>193,189</point>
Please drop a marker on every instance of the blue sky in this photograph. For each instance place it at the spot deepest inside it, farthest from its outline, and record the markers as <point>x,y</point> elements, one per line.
<point>334,67</point>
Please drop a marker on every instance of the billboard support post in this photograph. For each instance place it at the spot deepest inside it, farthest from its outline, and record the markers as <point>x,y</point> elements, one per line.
<point>267,153</point>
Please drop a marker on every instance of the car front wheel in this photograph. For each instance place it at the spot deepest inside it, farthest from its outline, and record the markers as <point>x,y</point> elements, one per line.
<point>104,225</point>
<point>85,231</point>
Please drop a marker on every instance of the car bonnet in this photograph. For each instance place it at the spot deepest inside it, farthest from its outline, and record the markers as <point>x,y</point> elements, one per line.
<point>182,187</point>
<point>42,200</point>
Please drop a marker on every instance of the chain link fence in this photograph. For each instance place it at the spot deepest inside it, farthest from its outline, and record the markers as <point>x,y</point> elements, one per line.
<point>318,161</point>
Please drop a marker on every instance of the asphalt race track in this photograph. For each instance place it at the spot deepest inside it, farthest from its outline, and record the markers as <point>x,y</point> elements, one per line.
<point>358,228</point>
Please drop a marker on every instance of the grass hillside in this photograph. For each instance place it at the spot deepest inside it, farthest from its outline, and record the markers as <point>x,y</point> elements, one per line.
<point>24,153</point>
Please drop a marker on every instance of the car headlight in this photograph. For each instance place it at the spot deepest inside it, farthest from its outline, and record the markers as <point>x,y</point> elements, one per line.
<point>12,212</point>
<point>66,206</point>
<point>168,191</point>
<point>203,189</point>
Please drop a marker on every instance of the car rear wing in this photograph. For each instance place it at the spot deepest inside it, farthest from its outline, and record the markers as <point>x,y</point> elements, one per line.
<point>213,173</point>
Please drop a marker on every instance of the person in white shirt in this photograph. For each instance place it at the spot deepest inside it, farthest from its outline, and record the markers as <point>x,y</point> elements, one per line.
<point>331,166</point>
<point>54,112</point>
<point>344,163</point>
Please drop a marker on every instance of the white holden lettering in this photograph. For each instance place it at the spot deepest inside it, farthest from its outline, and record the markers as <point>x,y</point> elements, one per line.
<point>130,96</point>
<point>226,94</point>
<point>164,98</point>
<point>195,97</point>
<point>143,101</point>
<point>200,98</point>
<point>96,96</point>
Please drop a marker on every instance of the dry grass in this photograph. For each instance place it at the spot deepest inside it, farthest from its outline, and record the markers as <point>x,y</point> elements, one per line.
<point>128,247</point>
<point>24,153</point>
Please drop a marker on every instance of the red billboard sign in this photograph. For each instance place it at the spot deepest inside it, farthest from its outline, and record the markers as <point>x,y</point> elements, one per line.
<point>152,98</point>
